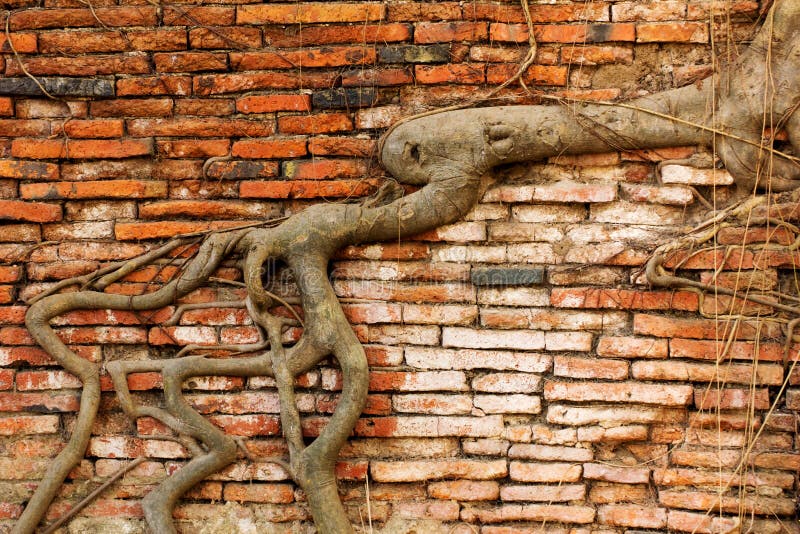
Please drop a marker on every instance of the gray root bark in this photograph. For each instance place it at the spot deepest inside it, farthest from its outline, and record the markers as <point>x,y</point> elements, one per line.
<point>451,154</point>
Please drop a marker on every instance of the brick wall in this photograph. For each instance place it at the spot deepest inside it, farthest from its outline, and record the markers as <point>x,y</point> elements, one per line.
<point>524,376</point>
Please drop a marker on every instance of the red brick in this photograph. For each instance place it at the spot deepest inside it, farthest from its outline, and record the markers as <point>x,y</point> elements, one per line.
<point>224,37</point>
<point>629,515</point>
<point>132,107</point>
<point>90,65</point>
<point>325,168</point>
<point>189,15</point>
<point>596,55</point>
<point>15,210</point>
<point>271,103</point>
<point>458,73</point>
<point>24,43</point>
<point>200,127</point>
<point>104,189</point>
<point>731,399</point>
<point>377,77</point>
<point>340,146</point>
<point>206,209</point>
<point>577,33</point>
<point>190,62</point>
<point>683,32</point>
<point>87,129</point>
<point>542,13</point>
<point>157,85</point>
<point>193,148</point>
<point>333,56</point>
<point>713,350</point>
<point>63,18</point>
<point>314,124</point>
<point>306,189</point>
<point>260,493</point>
<point>28,170</point>
<point>309,13</point>
<point>270,148</point>
<point>154,230</point>
<point>89,41</point>
<point>652,325</point>
<point>624,299</point>
<point>36,108</point>
<point>204,107</point>
<point>157,40</point>
<point>238,170</point>
<point>287,37</point>
<point>445,32</point>
<point>235,83</point>
<point>536,74</point>
<point>6,106</point>
<point>465,490</point>
<point>23,128</point>
<point>80,149</point>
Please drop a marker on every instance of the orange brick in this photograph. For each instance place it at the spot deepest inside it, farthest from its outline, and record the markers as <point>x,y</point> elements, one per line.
<point>325,168</point>
<point>24,43</point>
<point>284,37</point>
<point>536,74</point>
<point>80,149</point>
<point>337,56</point>
<point>306,189</point>
<point>684,32</point>
<point>87,129</point>
<point>309,13</point>
<point>28,170</point>
<point>224,37</point>
<point>103,189</point>
<point>190,62</point>
<point>193,148</point>
<point>236,83</point>
<point>315,124</point>
<point>16,210</point>
<point>200,127</point>
<point>452,73</point>
<point>271,103</point>
<point>89,65</point>
<point>156,85</point>
<point>445,32</point>
<point>191,15</point>
<point>270,148</point>
<point>63,18</point>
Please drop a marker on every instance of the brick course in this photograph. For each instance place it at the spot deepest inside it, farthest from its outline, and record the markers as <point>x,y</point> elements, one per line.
<point>579,399</point>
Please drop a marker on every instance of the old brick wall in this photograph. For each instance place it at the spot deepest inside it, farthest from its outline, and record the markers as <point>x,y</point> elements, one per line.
<point>524,375</point>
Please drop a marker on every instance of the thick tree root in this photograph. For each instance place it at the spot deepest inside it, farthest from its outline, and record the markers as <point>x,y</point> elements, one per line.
<point>450,154</point>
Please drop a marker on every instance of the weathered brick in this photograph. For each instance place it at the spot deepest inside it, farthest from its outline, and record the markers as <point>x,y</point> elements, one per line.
<point>221,37</point>
<point>445,32</point>
<point>271,103</point>
<point>200,127</point>
<point>62,18</point>
<point>80,149</point>
<point>190,62</point>
<point>315,124</point>
<point>688,32</point>
<point>290,147</point>
<point>309,13</point>
<point>619,392</point>
<point>90,65</point>
<point>105,189</point>
<point>289,37</point>
<point>411,471</point>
